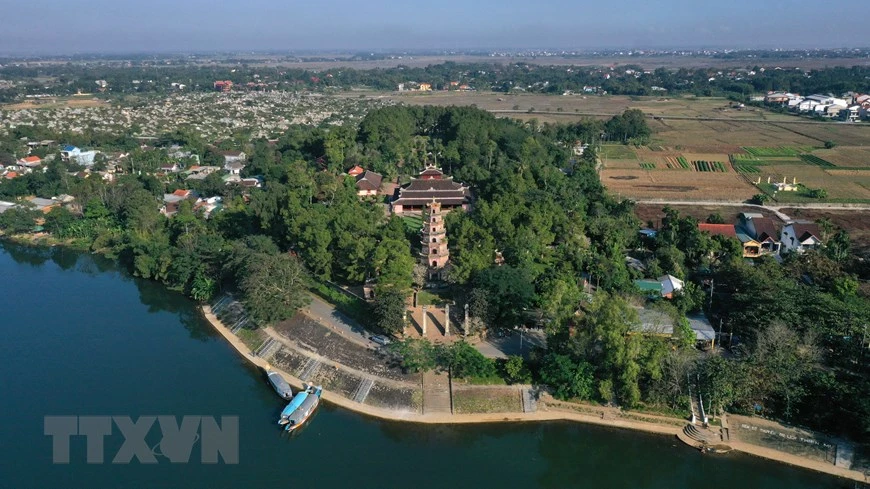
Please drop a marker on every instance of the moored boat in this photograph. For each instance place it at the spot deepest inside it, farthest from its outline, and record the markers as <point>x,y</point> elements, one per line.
<point>305,408</point>
<point>280,385</point>
<point>291,408</point>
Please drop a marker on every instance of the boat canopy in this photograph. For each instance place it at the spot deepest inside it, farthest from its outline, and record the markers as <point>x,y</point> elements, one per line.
<point>297,401</point>
<point>304,410</point>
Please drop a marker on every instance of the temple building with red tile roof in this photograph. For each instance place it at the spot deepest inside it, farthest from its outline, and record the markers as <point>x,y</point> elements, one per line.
<point>431,185</point>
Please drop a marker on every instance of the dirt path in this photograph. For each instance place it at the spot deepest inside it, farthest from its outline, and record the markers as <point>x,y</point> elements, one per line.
<point>775,210</point>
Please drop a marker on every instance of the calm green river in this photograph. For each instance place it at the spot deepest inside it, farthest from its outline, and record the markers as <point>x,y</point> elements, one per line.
<point>81,338</point>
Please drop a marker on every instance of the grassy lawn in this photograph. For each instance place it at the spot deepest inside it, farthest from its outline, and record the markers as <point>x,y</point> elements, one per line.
<point>252,338</point>
<point>618,152</point>
<point>467,401</point>
<point>433,297</point>
<point>491,380</point>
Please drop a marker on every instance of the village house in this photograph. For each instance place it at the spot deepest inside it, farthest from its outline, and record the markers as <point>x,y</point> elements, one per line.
<point>171,201</point>
<point>751,248</point>
<point>822,105</point>
<point>233,156</point>
<point>234,167</point>
<point>800,236</point>
<point>356,171</point>
<point>170,168</point>
<point>431,185</point>
<point>760,230</point>
<point>30,161</point>
<point>198,172</point>
<point>781,98</point>
<point>665,286</point>
<point>72,154</point>
<point>368,183</point>
<point>207,207</point>
<point>851,113</point>
<point>223,86</point>
<point>43,205</point>
<point>658,323</point>
<point>251,182</point>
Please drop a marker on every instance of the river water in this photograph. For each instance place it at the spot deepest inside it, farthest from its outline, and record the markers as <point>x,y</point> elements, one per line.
<point>81,338</point>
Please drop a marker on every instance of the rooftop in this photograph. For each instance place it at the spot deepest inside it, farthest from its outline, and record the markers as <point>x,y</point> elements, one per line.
<point>718,229</point>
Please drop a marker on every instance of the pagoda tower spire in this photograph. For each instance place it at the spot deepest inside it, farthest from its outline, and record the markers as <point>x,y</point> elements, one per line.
<point>434,253</point>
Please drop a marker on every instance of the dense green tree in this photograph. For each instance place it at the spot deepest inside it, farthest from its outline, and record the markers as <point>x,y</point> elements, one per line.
<point>463,360</point>
<point>417,354</point>
<point>273,287</point>
<point>570,379</point>
<point>19,220</point>
<point>389,310</point>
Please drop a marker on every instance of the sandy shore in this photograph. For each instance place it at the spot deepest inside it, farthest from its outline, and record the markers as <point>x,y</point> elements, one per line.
<point>548,414</point>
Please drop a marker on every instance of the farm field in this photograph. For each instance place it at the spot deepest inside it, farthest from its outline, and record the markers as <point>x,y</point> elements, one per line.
<point>679,185</point>
<point>680,175</point>
<point>751,126</point>
<point>843,134</point>
<point>574,105</point>
<point>724,136</point>
<point>624,164</point>
<point>838,186</point>
<point>617,152</point>
<point>846,156</point>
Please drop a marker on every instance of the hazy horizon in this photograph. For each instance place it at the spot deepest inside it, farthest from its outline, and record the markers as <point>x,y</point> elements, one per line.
<point>104,26</point>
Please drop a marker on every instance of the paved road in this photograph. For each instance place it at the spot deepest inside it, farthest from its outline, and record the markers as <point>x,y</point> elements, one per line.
<point>502,347</point>
<point>775,210</point>
<point>326,314</point>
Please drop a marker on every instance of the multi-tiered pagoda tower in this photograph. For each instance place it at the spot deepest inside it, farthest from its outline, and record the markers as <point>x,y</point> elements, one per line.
<point>435,254</point>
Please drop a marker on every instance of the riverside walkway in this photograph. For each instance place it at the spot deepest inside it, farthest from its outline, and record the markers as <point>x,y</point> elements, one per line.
<point>547,409</point>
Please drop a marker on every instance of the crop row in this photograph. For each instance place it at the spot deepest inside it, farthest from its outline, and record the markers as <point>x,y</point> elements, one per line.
<point>746,168</point>
<point>815,160</point>
<point>774,151</point>
<point>709,166</point>
<point>648,166</point>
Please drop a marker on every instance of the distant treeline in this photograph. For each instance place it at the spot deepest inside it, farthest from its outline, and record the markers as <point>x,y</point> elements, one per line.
<point>63,79</point>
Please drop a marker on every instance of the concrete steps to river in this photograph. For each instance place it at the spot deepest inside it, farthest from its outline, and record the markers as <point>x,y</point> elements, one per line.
<point>436,394</point>
<point>703,436</point>
<point>362,390</point>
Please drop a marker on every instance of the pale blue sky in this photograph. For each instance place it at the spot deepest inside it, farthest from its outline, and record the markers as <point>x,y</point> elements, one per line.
<point>65,26</point>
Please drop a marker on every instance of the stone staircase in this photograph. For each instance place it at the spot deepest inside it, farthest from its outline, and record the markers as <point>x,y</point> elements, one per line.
<point>436,394</point>
<point>702,436</point>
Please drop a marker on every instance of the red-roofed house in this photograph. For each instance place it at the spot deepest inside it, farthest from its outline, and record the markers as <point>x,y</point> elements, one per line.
<point>751,247</point>
<point>30,161</point>
<point>356,171</point>
<point>726,230</point>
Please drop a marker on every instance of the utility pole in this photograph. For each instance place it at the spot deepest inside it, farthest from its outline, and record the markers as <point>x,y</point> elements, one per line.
<point>712,283</point>
<point>720,331</point>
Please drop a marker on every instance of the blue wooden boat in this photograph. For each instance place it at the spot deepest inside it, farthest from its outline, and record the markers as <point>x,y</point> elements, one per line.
<point>302,411</point>
<point>291,408</point>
